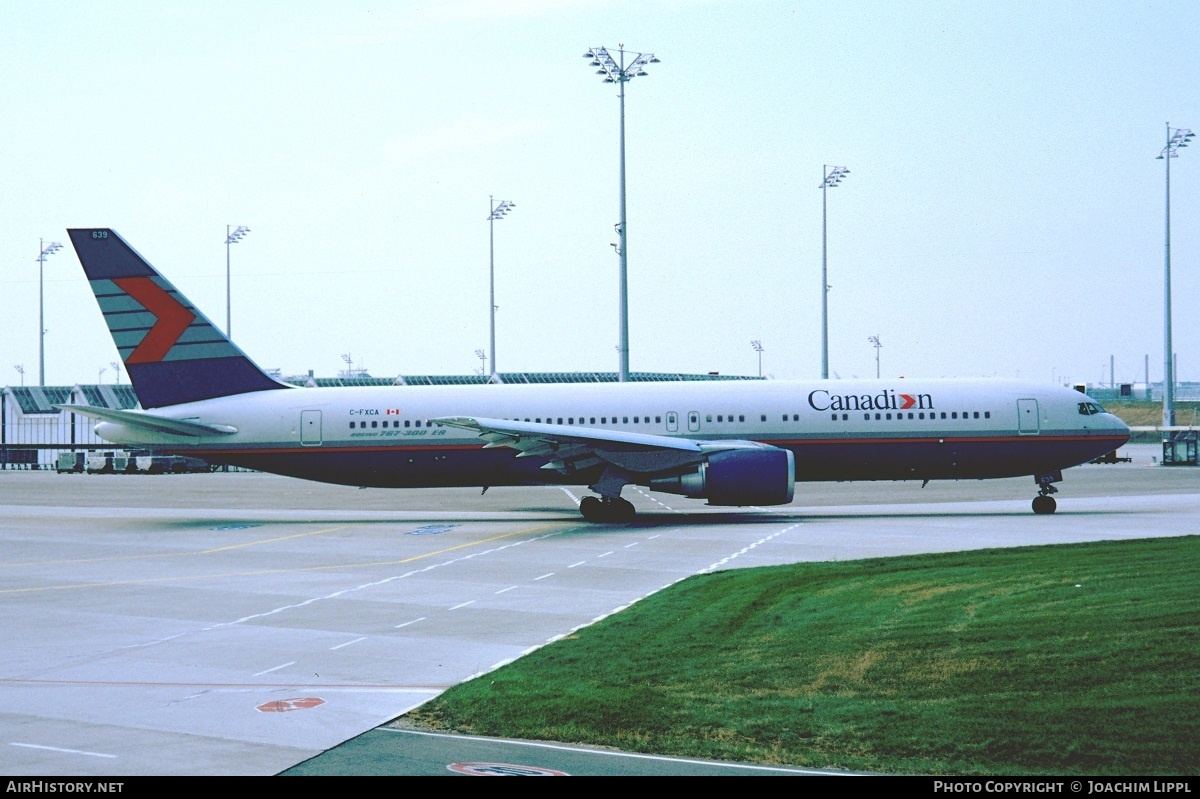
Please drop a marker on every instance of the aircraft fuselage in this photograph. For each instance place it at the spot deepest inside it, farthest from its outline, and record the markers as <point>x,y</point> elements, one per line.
<point>838,430</point>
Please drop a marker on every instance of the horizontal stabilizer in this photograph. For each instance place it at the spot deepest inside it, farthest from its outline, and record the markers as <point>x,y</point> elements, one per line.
<point>147,421</point>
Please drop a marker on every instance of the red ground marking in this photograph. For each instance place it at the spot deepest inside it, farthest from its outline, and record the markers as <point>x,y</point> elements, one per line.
<point>503,770</point>
<point>285,705</point>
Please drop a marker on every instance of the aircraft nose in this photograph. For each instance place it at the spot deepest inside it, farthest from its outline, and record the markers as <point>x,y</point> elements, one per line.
<point>1119,426</point>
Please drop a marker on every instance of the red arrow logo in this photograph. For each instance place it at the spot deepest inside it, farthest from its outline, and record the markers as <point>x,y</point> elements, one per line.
<point>909,401</point>
<point>172,318</point>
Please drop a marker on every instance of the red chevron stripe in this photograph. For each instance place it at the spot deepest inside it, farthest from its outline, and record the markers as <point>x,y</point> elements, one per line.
<point>172,318</point>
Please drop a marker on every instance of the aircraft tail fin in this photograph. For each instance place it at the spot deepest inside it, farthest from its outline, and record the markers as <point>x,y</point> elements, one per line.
<point>172,352</point>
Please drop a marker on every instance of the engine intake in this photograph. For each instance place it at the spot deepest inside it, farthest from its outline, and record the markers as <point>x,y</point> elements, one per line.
<point>764,476</point>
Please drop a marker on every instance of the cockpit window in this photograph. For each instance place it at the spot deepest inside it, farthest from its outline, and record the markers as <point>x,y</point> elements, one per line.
<point>1090,409</point>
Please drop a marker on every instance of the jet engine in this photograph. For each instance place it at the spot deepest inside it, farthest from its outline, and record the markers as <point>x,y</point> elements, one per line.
<point>765,476</point>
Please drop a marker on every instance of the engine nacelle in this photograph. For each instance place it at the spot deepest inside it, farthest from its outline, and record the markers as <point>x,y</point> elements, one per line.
<point>764,476</point>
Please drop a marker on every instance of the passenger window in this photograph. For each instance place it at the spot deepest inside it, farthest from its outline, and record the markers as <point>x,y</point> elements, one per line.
<point>741,418</point>
<point>987,414</point>
<point>374,424</point>
<point>720,418</point>
<point>624,420</point>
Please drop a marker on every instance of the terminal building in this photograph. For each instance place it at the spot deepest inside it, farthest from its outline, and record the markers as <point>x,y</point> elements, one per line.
<point>34,431</point>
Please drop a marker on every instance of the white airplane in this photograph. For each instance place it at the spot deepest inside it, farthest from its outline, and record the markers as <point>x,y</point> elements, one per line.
<point>734,443</point>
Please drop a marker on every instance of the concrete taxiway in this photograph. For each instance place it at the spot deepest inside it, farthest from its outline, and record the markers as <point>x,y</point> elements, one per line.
<point>240,624</point>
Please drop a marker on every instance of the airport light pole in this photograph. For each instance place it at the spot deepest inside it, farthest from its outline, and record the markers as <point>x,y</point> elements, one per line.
<point>45,251</point>
<point>615,71</point>
<point>116,365</point>
<point>21,371</point>
<point>875,340</point>
<point>1176,139</point>
<point>231,237</point>
<point>758,347</point>
<point>497,212</point>
<point>832,177</point>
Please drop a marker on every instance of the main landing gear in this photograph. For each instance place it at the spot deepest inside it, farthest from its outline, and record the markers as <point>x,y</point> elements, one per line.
<point>1044,503</point>
<point>607,509</point>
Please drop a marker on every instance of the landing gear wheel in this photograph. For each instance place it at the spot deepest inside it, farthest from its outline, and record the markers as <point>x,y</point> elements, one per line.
<point>1044,504</point>
<point>607,509</point>
<point>592,509</point>
<point>622,510</point>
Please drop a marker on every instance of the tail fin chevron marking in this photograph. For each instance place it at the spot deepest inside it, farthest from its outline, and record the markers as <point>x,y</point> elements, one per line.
<point>172,319</point>
<point>172,352</point>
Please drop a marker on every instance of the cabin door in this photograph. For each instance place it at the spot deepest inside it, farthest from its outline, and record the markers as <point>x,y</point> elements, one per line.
<point>1027,417</point>
<point>310,428</point>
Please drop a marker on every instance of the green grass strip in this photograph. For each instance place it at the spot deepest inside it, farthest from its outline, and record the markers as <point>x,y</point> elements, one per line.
<point>1074,659</point>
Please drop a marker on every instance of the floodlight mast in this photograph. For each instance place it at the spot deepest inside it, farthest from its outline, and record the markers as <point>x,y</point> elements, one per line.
<point>231,237</point>
<point>616,72</point>
<point>758,347</point>
<point>497,212</point>
<point>832,177</point>
<point>1176,139</point>
<point>44,251</point>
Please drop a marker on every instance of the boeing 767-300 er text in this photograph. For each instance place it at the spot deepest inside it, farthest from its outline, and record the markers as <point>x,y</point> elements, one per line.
<point>734,443</point>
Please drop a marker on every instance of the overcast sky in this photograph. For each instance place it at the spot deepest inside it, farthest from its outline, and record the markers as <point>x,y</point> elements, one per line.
<point>1004,214</point>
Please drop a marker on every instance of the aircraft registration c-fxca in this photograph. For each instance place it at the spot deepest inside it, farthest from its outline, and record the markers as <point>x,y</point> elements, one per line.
<point>733,443</point>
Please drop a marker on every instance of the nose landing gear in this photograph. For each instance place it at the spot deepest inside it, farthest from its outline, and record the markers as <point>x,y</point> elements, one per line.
<point>1043,503</point>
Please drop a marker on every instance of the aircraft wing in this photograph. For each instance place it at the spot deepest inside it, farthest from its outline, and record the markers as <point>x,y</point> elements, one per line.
<point>572,448</point>
<point>151,422</point>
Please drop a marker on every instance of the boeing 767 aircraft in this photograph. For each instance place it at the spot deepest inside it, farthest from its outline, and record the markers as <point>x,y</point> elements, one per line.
<point>734,443</point>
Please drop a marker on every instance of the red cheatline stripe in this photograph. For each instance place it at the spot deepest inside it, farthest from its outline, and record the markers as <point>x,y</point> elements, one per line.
<point>171,318</point>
